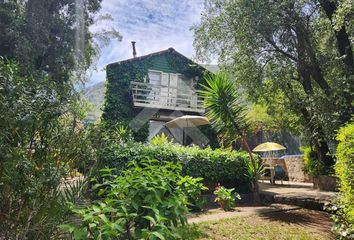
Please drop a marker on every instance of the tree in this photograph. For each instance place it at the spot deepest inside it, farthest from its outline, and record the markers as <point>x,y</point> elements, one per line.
<point>283,47</point>
<point>228,116</point>
<point>45,49</point>
<point>49,36</point>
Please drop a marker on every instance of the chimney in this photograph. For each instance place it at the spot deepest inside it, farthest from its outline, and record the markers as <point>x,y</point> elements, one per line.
<point>134,51</point>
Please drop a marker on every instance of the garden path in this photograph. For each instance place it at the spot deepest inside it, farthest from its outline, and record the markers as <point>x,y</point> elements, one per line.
<point>293,193</point>
<point>217,213</point>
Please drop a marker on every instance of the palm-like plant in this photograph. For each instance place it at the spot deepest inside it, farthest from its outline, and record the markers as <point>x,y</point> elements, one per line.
<point>227,114</point>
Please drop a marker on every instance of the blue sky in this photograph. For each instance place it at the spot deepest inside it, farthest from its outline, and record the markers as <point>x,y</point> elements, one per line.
<point>154,24</point>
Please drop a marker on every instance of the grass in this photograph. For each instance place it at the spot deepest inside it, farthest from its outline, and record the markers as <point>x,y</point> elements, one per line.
<point>298,225</point>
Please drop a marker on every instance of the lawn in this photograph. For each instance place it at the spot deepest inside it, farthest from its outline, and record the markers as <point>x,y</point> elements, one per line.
<point>295,224</point>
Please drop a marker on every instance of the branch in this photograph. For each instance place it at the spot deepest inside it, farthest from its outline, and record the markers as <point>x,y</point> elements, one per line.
<point>278,49</point>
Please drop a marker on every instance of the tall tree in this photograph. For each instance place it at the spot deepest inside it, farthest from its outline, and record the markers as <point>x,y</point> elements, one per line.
<point>49,36</point>
<point>45,47</point>
<point>228,117</point>
<point>283,46</point>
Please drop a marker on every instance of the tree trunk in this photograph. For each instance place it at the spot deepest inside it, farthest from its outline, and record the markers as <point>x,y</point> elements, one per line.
<point>322,148</point>
<point>343,42</point>
<point>255,180</point>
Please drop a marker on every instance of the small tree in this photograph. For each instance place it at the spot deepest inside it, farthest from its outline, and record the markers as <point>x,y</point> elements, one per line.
<point>227,114</point>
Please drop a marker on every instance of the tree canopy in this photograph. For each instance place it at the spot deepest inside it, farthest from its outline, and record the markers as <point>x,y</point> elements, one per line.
<point>299,52</point>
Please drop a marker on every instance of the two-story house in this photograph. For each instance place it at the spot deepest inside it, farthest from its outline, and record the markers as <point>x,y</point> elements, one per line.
<point>147,91</point>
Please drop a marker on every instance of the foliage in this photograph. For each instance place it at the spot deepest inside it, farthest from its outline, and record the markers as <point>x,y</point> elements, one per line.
<point>220,165</point>
<point>254,171</point>
<point>226,198</point>
<point>49,36</point>
<point>227,114</point>
<point>342,226</point>
<point>312,166</point>
<point>344,218</point>
<point>40,139</point>
<point>224,107</point>
<point>290,56</point>
<point>159,140</point>
<point>272,119</point>
<point>149,200</point>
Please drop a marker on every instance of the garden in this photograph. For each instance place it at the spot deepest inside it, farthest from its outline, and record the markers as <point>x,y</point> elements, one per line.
<point>285,67</point>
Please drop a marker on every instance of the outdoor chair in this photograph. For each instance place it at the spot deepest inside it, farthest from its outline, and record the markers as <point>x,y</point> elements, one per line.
<point>279,173</point>
<point>267,174</point>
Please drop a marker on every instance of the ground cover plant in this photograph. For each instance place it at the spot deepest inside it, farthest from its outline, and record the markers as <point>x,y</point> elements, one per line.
<point>226,197</point>
<point>148,200</point>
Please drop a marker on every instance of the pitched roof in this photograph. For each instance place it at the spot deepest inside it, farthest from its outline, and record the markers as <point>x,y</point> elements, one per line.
<point>169,50</point>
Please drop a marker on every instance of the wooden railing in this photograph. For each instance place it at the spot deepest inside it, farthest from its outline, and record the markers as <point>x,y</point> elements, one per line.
<point>165,97</point>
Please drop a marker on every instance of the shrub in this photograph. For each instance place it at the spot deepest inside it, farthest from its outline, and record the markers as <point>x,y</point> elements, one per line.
<point>225,198</point>
<point>41,140</point>
<point>223,166</point>
<point>149,200</point>
<point>345,171</point>
<point>312,165</point>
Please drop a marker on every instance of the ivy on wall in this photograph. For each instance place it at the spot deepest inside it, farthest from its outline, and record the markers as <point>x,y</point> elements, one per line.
<point>119,107</point>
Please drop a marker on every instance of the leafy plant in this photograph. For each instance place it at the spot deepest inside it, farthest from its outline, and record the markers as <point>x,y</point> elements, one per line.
<point>312,165</point>
<point>342,226</point>
<point>226,198</point>
<point>159,140</point>
<point>149,200</point>
<point>227,114</point>
<point>41,140</point>
<point>193,188</point>
<point>254,171</point>
<point>344,214</point>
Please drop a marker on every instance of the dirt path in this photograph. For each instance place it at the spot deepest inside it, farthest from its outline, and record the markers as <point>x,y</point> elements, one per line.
<point>217,214</point>
<point>317,222</point>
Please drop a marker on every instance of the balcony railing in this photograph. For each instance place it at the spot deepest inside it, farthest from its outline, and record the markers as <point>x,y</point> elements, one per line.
<point>165,97</point>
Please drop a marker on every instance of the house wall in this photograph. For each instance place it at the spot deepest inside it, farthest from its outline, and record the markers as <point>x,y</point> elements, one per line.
<point>119,106</point>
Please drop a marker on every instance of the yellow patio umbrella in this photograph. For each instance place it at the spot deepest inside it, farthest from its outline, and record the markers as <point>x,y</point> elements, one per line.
<point>268,146</point>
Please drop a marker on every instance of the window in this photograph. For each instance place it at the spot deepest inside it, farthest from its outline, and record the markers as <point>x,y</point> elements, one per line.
<point>184,84</point>
<point>154,77</point>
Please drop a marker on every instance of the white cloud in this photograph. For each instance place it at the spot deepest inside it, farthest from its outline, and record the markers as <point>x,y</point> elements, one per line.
<point>154,25</point>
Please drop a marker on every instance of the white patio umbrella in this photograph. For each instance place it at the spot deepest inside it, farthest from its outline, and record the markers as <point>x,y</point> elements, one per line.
<point>187,121</point>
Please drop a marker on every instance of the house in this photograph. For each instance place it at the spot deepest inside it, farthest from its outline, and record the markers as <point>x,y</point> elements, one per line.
<point>147,91</point>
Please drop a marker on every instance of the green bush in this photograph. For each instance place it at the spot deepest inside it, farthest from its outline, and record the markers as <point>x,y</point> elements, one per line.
<point>223,166</point>
<point>226,198</point>
<point>345,171</point>
<point>149,200</point>
<point>41,142</point>
<point>312,165</point>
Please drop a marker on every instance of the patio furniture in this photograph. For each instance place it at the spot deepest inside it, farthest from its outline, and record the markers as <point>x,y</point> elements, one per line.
<point>279,173</point>
<point>268,174</point>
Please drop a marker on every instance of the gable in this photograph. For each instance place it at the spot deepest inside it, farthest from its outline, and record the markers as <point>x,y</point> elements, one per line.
<point>168,61</point>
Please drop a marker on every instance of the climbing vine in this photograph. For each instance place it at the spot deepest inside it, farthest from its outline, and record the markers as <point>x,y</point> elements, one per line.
<point>119,106</point>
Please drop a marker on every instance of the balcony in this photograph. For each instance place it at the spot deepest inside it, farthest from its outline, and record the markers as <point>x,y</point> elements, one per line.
<point>165,97</point>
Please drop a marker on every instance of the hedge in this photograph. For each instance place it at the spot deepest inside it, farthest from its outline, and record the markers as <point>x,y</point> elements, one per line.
<point>345,170</point>
<point>223,166</point>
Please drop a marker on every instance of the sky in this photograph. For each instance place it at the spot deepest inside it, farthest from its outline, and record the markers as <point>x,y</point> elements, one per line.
<point>155,25</point>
